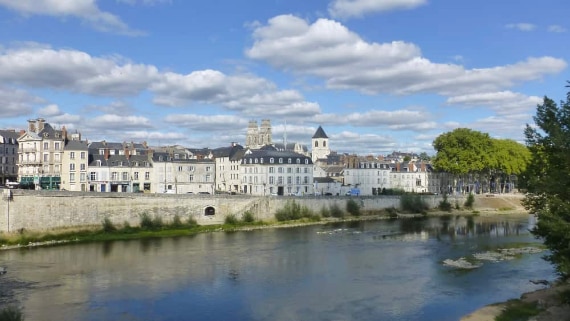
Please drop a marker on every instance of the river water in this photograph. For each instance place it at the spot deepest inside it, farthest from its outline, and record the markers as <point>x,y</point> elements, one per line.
<point>370,270</point>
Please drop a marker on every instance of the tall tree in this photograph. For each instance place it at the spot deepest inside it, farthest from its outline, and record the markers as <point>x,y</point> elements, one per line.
<point>463,151</point>
<point>548,179</point>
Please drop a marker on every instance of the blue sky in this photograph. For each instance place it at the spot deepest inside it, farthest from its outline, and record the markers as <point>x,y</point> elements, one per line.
<point>378,75</point>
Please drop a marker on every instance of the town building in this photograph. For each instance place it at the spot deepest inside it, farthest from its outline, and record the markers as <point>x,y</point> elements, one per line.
<point>370,177</point>
<point>320,149</point>
<point>268,171</point>
<point>74,163</point>
<point>119,167</point>
<point>8,156</point>
<point>227,160</point>
<point>176,172</point>
<point>40,151</point>
<point>413,177</point>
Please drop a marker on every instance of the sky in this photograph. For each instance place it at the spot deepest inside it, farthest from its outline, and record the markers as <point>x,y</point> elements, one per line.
<point>378,75</point>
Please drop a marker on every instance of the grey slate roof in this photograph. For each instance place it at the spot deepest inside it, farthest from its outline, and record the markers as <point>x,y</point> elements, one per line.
<point>320,133</point>
<point>9,134</point>
<point>76,145</point>
<point>267,154</point>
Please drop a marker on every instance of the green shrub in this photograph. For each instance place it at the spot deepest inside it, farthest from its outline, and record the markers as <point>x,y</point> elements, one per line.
<point>336,211</point>
<point>518,310</point>
<point>413,203</point>
<point>148,223</point>
<point>11,313</point>
<point>352,207</point>
<point>469,201</point>
<point>457,205</point>
<point>248,217</point>
<point>444,204</point>
<point>108,226</point>
<point>231,220</point>
<point>325,212</point>
<point>293,211</point>
<point>392,212</point>
<point>176,222</point>
<point>191,221</point>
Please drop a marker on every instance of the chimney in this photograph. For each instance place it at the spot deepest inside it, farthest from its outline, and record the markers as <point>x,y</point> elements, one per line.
<point>106,153</point>
<point>150,154</point>
<point>32,126</point>
<point>423,167</point>
<point>64,133</point>
<point>41,124</point>
<point>22,132</point>
<point>127,153</point>
<point>397,167</point>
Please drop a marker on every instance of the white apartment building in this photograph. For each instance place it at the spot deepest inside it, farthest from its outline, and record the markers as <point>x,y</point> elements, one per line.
<point>271,172</point>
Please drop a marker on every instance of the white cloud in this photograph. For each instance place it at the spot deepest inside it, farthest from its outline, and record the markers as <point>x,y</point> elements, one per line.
<point>328,50</point>
<point>522,26</point>
<point>16,103</point>
<point>359,8</point>
<point>50,111</point>
<point>118,122</point>
<point>39,66</point>
<point>86,10</point>
<point>219,123</point>
<point>556,28</point>
<point>503,102</point>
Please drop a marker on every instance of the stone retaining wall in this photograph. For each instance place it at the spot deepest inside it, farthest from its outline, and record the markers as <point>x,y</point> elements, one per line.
<point>43,210</point>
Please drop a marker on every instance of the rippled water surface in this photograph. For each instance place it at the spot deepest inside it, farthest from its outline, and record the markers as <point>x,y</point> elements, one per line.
<point>372,270</point>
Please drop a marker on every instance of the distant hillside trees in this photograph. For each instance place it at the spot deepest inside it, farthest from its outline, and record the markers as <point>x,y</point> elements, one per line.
<point>548,179</point>
<point>479,161</point>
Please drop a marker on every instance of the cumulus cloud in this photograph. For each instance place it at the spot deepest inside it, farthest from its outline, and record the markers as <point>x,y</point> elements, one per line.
<point>144,2</point>
<point>359,8</point>
<point>16,103</point>
<point>522,26</point>
<point>328,50</point>
<point>85,10</point>
<point>394,120</point>
<point>246,93</point>
<point>207,122</point>
<point>503,102</point>
<point>118,122</point>
<point>77,71</point>
<point>49,111</point>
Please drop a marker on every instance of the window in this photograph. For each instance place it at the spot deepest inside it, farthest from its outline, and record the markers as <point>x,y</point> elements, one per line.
<point>289,179</point>
<point>136,175</point>
<point>179,167</point>
<point>82,155</point>
<point>190,168</point>
<point>271,160</point>
<point>82,177</point>
<point>46,145</point>
<point>316,143</point>
<point>280,180</point>
<point>93,176</point>
<point>115,176</point>
<point>306,180</point>
<point>57,146</point>
<point>280,160</point>
<point>125,176</point>
<point>271,169</point>
<point>82,167</point>
<point>324,143</point>
<point>289,170</point>
<point>271,180</point>
<point>280,170</point>
<point>209,177</point>
<point>306,170</point>
<point>289,161</point>
<point>72,167</point>
<point>72,177</point>
<point>298,170</point>
<point>71,155</point>
<point>298,180</point>
<point>56,157</point>
<point>46,157</point>
<point>298,161</point>
<point>147,175</point>
<point>307,161</point>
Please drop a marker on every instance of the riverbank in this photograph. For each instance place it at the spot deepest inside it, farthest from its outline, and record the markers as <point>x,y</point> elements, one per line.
<point>548,303</point>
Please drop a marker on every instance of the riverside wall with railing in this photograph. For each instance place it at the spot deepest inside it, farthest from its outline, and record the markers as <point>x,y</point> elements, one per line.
<point>45,210</point>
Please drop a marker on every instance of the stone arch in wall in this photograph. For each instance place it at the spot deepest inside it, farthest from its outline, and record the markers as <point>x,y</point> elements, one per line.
<point>209,210</point>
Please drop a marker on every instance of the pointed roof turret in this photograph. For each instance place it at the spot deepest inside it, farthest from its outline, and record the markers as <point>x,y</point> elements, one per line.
<point>320,133</point>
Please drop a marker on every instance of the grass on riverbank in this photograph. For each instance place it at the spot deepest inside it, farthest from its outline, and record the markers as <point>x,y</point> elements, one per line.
<point>149,227</point>
<point>517,310</point>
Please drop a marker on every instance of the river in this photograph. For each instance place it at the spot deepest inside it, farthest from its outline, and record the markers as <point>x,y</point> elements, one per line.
<point>368,270</point>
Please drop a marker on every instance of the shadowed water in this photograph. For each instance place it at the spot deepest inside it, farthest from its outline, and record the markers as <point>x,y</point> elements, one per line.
<point>372,270</point>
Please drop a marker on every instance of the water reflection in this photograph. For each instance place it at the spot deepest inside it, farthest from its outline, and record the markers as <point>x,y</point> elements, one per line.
<point>383,270</point>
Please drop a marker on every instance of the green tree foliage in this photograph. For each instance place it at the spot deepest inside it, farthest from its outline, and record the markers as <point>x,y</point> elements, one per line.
<point>463,151</point>
<point>509,157</point>
<point>352,207</point>
<point>548,179</point>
